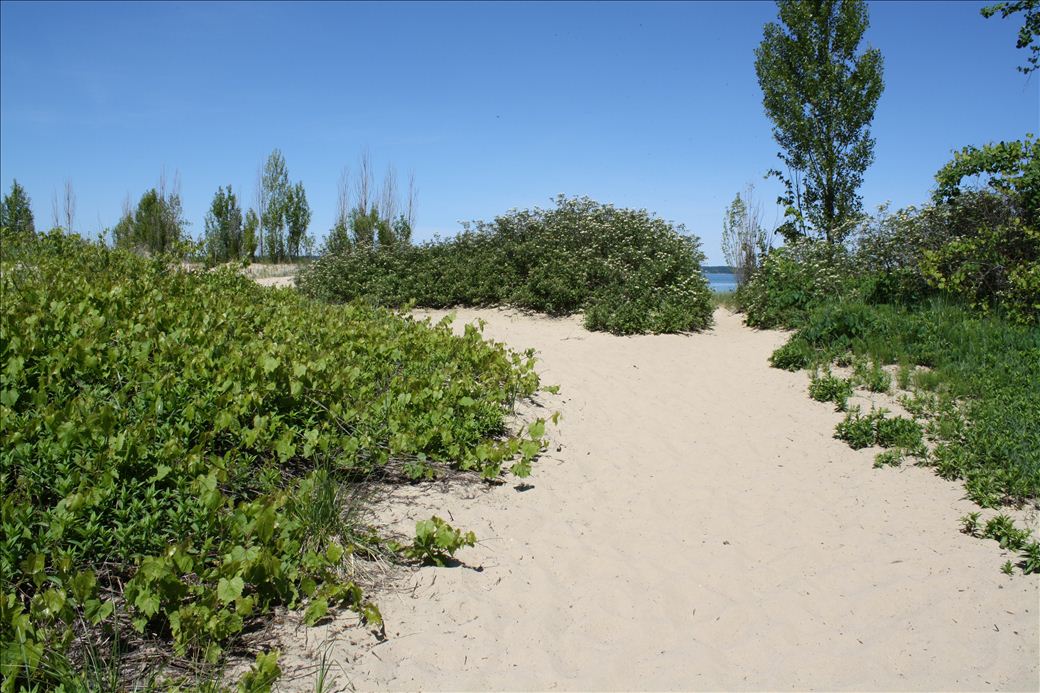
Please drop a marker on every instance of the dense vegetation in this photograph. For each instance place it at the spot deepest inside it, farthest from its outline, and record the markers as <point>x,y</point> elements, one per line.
<point>182,451</point>
<point>627,270</point>
<point>949,292</point>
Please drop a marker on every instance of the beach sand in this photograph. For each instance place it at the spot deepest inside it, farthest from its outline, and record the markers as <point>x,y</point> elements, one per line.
<point>694,525</point>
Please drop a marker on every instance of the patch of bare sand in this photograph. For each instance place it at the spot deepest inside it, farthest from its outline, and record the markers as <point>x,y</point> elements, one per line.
<point>279,282</point>
<point>699,528</point>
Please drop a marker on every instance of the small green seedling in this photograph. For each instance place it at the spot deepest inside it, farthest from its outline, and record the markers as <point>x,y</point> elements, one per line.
<point>970,524</point>
<point>436,542</point>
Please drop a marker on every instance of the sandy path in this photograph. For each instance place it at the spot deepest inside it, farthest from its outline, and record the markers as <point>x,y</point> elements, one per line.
<point>699,529</point>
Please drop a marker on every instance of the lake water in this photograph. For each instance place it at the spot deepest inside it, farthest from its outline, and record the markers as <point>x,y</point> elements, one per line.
<point>721,281</point>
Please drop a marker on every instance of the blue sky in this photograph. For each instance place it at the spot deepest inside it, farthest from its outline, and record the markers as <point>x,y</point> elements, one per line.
<point>492,106</point>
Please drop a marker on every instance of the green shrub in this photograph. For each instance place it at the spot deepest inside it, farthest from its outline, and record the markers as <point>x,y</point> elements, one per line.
<point>795,355</point>
<point>176,447</point>
<point>627,270</point>
<point>1002,529</point>
<point>1030,562</point>
<point>993,267</point>
<point>830,388</point>
<point>857,430</point>
<point>875,428</point>
<point>900,432</point>
<point>792,280</point>
<point>888,458</point>
<point>990,257</point>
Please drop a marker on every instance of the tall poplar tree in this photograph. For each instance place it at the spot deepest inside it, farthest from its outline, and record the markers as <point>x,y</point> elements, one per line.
<point>274,184</point>
<point>820,92</point>
<point>224,227</point>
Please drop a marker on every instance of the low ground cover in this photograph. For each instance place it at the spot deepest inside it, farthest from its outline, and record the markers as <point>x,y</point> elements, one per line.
<point>182,451</point>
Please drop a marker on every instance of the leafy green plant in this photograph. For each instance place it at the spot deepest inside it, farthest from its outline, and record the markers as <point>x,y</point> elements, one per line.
<point>436,542</point>
<point>187,447</point>
<point>1002,529</point>
<point>629,271</point>
<point>262,675</point>
<point>875,428</point>
<point>977,382</point>
<point>1008,568</point>
<point>897,431</point>
<point>820,90</point>
<point>904,375</point>
<point>888,458</point>
<point>1031,558</point>
<point>872,375</point>
<point>830,388</point>
<point>793,280</point>
<point>793,356</point>
<point>970,524</point>
<point>857,430</point>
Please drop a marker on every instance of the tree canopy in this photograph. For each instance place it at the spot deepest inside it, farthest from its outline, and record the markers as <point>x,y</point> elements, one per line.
<point>1030,31</point>
<point>820,93</point>
<point>16,210</point>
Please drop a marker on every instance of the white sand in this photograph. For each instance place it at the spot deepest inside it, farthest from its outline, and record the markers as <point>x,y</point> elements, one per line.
<point>699,529</point>
<point>279,282</point>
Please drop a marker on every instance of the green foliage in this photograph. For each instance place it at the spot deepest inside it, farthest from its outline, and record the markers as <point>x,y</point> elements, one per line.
<point>284,214</point>
<point>821,95</point>
<point>984,370</point>
<point>156,227</point>
<point>872,375</point>
<point>990,256</point>
<point>900,432</point>
<point>181,445</point>
<point>1030,558</point>
<point>830,388</point>
<point>875,428</point>
<point>224,237</point>
<point>888,458</point>
<point>369,228</point>
<point>16,210</point>
<point>297,219</point>
<point>795,355</point>
<point>436,542</point>
<point>262,675</point>
<point>888,252</point>
<point>1002,529</point>
<point>274,194</point>
<point>994,267</point>
<point>338,239</point>
<point>970,524</point>
<point>856,430</point>
<point>629,271</point>
<point>744,239</point>
<point>1012,169</point>
<point>250,236</point>
<point>1030,31</point>
<point>792,280</point>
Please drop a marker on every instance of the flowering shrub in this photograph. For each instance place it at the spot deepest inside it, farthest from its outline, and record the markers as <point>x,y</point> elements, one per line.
<point>792,280</point>
<point>629,271</point>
